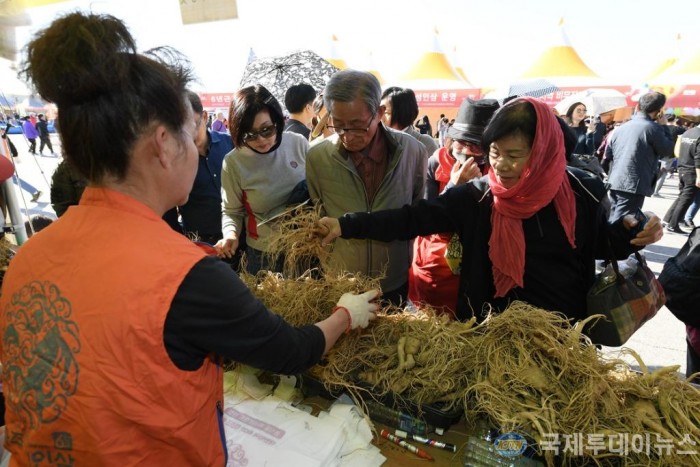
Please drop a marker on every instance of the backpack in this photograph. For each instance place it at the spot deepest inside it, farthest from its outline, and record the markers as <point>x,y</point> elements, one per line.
<point>680,278</point>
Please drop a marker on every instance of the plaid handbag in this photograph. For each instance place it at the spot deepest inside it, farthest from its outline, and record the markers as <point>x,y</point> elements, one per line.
<point>625,302</point>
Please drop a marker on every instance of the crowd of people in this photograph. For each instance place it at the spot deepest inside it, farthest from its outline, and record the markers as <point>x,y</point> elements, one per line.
<point>464,217</point>
<point>34,126</point>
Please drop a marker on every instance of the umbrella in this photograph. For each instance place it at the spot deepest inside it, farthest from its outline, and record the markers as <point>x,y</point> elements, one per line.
<point>532,87</point>
<point>278,74</point>
<point>596,100</point>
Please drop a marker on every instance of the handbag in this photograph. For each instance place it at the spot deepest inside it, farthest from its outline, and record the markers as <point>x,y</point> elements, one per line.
<point>627,299</point>
<point>680,278</point>
<point>587,162</point>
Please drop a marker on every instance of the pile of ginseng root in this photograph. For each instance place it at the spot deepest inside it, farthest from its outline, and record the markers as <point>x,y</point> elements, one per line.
<point>524,370</point>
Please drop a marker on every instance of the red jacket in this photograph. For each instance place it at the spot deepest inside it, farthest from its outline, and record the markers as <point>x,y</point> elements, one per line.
<point>87,379</point>
<point>430,279</point>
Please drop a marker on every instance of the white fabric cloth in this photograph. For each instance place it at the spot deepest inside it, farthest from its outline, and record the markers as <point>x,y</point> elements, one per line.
<point>273,432</point>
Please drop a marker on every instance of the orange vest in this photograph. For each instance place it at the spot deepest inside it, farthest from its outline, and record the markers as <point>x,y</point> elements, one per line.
<point>87,379</point>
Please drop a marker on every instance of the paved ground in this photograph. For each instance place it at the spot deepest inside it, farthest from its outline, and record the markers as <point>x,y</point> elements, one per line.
<point>661,342</point>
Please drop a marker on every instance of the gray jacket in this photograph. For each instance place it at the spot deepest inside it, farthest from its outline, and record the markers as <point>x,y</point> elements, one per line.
<point>428,141</point>
<point>334,181</point>
<point>635,149</point>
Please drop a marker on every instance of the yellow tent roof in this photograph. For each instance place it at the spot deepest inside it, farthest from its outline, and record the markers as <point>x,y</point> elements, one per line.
<point>461,73</point>
<point>663,66</point>
<point>432,65</point>
<point>458,67</point>
<point>378,76</point>
<point>666,64</point>
<point>337,62</point>
<point>371,67</point>
<point>685,71</point>
<point>560,60</point>
<point>333,56</point>
<point>691,66</point>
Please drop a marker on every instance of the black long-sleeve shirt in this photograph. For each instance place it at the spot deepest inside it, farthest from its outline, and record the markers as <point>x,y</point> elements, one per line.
<point>557,277</point>
<point>214,312</point>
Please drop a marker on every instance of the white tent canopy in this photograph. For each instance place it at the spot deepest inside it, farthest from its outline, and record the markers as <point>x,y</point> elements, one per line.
<point>10,84</point>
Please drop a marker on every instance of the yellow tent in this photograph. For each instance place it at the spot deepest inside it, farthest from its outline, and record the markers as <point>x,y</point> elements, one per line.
<point>458,66</point>
<point>372,68</point>
<point>560,61</point>
<point>333,57</point>
<point>680,82</point>
<point>685,71</point>
<point>661,69</point>
<point>432,65</point>
<point>682,72</point>
<point>664,66</point>
<point>433,70</point>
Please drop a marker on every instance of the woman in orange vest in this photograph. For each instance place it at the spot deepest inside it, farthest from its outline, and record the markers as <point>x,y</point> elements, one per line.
<point>113,325</point>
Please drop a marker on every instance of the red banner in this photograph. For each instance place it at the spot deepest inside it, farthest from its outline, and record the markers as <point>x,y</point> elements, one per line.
<point>215,100</point>
<point>445,98</point>
<point>681,96</point>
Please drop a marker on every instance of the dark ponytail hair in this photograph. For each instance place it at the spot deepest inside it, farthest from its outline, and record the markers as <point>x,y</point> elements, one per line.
<point>107,93</point>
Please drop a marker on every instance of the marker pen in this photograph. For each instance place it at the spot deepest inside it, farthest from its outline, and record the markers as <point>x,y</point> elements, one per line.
<point>415,450</point>
<point>429,442</point>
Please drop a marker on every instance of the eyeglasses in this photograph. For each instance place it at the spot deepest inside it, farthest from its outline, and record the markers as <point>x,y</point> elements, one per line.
<point>475,148</point>
<point>341,131</point>
<point>264,132</point>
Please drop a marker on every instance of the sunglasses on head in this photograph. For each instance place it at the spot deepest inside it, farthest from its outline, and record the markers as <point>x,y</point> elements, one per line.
<point>264,132</point>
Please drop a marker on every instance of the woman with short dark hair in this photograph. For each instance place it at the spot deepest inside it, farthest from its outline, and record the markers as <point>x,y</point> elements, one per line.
<point>259,175</point>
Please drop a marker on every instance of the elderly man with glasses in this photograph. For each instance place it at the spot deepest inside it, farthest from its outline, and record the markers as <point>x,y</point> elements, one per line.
<point>368,167</point>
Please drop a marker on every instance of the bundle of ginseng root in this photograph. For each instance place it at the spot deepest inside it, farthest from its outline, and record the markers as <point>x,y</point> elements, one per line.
<point>525,370</point>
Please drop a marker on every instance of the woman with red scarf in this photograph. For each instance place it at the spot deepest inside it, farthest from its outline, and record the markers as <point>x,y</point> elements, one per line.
<point>531,230</point>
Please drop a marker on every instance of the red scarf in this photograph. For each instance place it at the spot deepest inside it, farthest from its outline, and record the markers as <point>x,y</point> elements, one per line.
<point>543,180</point>
<point>444,169</point>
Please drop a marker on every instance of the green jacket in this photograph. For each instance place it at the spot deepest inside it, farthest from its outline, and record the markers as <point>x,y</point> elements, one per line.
<point>334,181</point>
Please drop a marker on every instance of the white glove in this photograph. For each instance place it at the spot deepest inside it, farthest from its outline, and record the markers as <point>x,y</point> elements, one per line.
<point>360,309</point>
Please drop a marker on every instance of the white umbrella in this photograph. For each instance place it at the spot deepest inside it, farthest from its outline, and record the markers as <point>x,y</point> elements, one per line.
<point>278,74</point>
<point>596,100</point>
<point>532,87</point>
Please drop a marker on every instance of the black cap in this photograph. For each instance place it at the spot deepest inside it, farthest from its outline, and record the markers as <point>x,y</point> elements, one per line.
<point>472,118</point>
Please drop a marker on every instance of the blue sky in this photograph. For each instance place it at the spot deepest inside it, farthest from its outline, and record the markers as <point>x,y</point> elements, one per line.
<point>496,40</point>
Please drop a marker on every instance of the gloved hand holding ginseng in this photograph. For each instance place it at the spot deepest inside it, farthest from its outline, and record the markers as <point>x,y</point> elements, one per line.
<point>360,308</point>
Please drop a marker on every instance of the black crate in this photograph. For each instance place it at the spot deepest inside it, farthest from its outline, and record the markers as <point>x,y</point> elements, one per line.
<point>432,414</point>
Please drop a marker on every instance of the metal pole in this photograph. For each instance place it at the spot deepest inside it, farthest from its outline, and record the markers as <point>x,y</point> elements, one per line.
<point>12,201</point>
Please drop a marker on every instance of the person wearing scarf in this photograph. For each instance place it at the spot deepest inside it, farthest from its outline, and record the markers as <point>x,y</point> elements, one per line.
<point>530,230</point>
